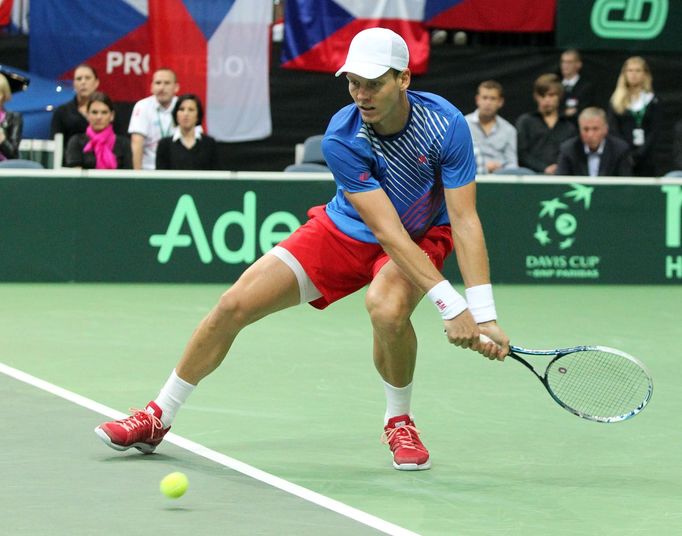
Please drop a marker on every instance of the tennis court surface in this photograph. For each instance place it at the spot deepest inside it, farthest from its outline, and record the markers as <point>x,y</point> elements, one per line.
<point>284,437</point>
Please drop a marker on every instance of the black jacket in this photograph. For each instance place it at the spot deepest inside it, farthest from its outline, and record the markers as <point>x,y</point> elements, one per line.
<point>582,95</point>
<point>174,155</point>
<point>538,145</point>
<point>13,125</point>
<point>677,146</point>
<point>615,160</point>
<point>75,157</point>
<point>622,126</point>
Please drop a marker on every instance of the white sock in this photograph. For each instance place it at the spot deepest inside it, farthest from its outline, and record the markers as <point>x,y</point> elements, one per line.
<point>172,396</point>
<point>397,401</point>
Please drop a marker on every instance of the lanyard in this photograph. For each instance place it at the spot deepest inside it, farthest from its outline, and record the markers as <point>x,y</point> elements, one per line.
<point>165,132</point>
<point>639,116</point>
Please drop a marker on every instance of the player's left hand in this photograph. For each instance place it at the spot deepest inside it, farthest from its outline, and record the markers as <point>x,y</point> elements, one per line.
<point>498,348</point>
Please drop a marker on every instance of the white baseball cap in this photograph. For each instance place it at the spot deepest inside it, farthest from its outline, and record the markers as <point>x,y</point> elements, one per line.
<point>374,51</point>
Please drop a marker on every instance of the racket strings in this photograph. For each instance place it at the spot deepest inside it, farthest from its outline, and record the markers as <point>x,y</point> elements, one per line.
<point>599,383</point>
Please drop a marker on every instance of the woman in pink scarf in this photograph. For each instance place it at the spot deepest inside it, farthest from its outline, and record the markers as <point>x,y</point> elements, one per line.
<point>99,147</point>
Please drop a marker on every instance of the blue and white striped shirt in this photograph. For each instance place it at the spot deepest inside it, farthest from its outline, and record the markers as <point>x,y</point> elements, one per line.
<point>433,151</point>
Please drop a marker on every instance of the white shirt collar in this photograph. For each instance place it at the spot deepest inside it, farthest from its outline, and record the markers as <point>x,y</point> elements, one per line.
<point>198,131</point>
<point>477,119</point>
<point>643,100</point>
<point>570,81</point>
<point>599,151</point>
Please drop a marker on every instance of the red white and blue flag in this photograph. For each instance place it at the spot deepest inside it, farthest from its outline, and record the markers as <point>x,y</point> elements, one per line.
<point>491,15</point>
<point>317,32</point>
<point>219,50</point>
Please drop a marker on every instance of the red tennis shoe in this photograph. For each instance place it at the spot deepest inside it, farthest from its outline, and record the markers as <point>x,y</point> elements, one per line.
<point>409,453</point>
<point>142,430</point>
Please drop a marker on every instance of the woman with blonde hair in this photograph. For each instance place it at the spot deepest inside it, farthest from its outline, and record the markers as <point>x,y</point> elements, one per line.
<point>11,124</point>
<point>634,114</point>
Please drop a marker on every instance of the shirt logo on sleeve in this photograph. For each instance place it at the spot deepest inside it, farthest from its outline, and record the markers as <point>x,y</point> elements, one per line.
<point>422,159</point>
<point>364,176</point>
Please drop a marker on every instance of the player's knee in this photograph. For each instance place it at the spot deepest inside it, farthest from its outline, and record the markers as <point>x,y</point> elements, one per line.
<point>231,309</point>
<point>386,311</point>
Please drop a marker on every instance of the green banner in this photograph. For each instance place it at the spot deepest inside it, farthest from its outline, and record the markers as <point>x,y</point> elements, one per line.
<point>163,230</point>
<point>635,25</point>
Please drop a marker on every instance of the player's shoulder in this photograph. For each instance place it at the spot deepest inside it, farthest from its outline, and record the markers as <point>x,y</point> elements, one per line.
<point>346,130</point>
<point>345,123</point>
<point>434,104</point>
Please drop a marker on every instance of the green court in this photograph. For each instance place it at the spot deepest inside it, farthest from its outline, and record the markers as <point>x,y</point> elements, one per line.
<point>284,437</point>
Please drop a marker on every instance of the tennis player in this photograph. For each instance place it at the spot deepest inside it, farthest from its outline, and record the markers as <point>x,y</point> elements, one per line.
<point>404,168</point>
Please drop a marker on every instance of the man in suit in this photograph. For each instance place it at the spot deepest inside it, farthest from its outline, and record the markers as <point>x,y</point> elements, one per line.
<point>578,92</point>
<point>594,153</point>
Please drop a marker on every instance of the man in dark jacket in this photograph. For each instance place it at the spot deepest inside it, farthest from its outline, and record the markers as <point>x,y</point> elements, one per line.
<point>594,153</point>
<point>578,91</point>
<point>541,132</point>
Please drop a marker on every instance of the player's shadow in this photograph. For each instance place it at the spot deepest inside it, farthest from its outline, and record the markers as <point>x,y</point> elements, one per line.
<point>133,457</point>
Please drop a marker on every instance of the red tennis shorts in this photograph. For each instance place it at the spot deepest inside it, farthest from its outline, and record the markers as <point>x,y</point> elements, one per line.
<point>339,265</point>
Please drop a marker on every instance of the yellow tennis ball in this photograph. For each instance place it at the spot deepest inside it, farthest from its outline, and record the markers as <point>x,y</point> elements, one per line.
<point>174,485</point>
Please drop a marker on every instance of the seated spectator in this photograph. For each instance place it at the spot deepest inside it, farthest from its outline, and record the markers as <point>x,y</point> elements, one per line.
<point>11,124</point>
<point>541,132</point>
<point>494,137</point>
<point>99,147</point>
<point>71,118</point>
<point>594,152</point>
<point>188,147</point>
<point>635,114</point>
<point>677,149</point>
<point>152,118</point>
<point>578,91</point>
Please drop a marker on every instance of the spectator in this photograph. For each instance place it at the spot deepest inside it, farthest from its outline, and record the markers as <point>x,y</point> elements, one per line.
<point>635,114</point>
<point>11,124</point>
<point>99,147</point>
<point>152,119</point>
<point>578,92</point>
<point>541,132</point>
<point>494,137</point>
<point>188,148</point>
<point>677,149</point>
<point>594,152</point>
<point>70,119</point>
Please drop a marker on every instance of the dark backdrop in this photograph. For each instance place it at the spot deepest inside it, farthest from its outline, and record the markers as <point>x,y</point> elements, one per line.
<point>303,102</point>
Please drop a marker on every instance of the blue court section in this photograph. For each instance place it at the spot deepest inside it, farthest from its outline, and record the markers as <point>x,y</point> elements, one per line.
<point>299,398</point>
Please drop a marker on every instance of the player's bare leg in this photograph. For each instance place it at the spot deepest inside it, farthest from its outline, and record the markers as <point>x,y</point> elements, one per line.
<point>390,301</point>
<point>267,286</point>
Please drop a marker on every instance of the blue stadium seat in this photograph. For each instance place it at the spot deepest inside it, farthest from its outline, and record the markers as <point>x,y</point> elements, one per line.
<point>20,163</point>
<point>312,150</point>
<point>308,167</point>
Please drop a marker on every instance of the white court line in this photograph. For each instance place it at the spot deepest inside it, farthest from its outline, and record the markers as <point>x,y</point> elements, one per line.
<point>241,467</point>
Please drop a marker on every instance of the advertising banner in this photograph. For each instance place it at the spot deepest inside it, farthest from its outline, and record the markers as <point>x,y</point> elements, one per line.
<point>635,25</point>
<point>177,230</point>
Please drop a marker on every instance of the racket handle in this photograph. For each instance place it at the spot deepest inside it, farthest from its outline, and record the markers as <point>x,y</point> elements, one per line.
<point>485,339</point>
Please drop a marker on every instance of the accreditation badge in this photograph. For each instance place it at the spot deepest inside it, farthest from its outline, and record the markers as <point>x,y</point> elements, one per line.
<point>638,136</point>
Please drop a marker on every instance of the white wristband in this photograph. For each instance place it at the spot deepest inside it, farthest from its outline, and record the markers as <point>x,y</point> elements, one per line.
<point>447,300</point>
<point>481,303</point>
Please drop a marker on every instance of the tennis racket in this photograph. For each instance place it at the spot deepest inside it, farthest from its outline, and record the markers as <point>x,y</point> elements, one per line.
<point>593,382</point>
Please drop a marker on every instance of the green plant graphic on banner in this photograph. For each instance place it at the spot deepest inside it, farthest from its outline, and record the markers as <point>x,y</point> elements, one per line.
<point>624,19</point>
<point>564,224</point>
